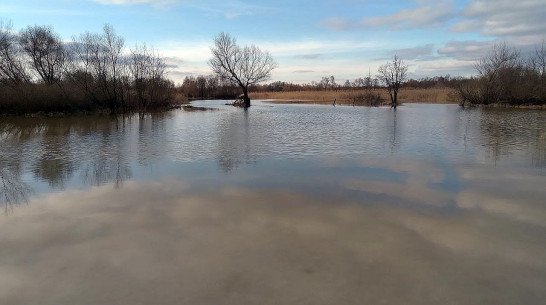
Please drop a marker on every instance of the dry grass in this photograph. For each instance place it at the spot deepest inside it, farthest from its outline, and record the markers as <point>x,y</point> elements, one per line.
<point>406,95</point>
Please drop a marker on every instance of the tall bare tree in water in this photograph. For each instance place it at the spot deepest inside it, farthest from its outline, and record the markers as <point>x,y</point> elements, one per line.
<point>393,74</point>
<point>242,66</point>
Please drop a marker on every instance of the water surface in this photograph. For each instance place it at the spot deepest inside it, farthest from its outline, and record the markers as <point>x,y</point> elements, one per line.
<point>280,204</point>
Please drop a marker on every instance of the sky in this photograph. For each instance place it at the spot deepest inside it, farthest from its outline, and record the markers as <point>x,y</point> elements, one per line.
<point>309,39</point>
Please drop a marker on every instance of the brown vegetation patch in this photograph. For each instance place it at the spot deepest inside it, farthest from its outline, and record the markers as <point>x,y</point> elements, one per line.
<point>437,95</point>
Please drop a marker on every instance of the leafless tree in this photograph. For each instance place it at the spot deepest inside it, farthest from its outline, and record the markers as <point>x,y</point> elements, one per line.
<point>500,57</point>
<point>110,65</point>
<point>499,71</point>
<point>148,74</point>
<point>242,66</point>
<point>325,82</point>
<point>538,61</point>
<point>393,74</point>
<point>100,68</point>
<point>101,59</point>
<point>82,49</point>
<point>46,52</point>
<point>503,77</point>
<point>12,68</point>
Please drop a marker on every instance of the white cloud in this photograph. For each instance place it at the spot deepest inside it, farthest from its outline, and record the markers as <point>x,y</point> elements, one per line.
<point>443,67</point>
<point>466,50</point>
<point>418,53</point>
<point>339,24</point>
<point>520,21</point>
<point>200,50</point>
<point>427,14</point>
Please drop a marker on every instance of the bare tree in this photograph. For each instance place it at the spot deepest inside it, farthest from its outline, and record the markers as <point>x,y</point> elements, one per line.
<point>12,68</point>
<point>393,74</point>
<point>242,66</point>
<point>102,56</point>
<point>148,73</point>
<point>500,57</point>
<point>82,49</point>
<point>538,61</point>
<point>46,52</point>
<point>504,78</point>
<point>499,72</point>
<point>111,65</point>
<point>333,82</point>
<point>100,68</point>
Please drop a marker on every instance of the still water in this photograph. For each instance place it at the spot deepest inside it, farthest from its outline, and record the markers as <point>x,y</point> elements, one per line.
<point>280,204</point>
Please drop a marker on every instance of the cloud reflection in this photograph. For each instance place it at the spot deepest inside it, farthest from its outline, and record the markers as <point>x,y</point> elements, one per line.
<point>165,242</point>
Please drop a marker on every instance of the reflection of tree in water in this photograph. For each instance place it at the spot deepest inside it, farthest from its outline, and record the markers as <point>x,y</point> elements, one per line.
<point>234,141</point>
<point>539,155</point>
<point>20,130</point>
<point>105,170</point>
<point>12,189</point>
<point>55,171</point>
<point>109,161</point>
<point>512,131</point>
<point>93,150</point>
<point>152,137</point>
<point>53,149</point>
<point>392,124</point>
<point>55,164</point>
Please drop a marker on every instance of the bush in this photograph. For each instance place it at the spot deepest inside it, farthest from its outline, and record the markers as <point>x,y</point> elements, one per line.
<point>505,78</point>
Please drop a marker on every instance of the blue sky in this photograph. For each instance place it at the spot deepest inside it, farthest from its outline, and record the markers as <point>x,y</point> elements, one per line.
<point>309,39</point>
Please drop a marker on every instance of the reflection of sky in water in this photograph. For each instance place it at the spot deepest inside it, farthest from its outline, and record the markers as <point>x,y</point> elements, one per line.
<point>280,204</point>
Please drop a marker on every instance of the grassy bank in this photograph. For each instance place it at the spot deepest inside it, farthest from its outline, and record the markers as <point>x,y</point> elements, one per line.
<point>439,95</point>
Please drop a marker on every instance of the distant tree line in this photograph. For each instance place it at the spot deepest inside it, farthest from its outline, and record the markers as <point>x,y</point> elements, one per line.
<point>39,72</point>
<point>329,83</point>
<point>212,87</point>
<point>505,76</point>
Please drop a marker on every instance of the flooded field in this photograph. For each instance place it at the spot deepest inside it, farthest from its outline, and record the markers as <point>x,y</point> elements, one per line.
<point>279,204</point>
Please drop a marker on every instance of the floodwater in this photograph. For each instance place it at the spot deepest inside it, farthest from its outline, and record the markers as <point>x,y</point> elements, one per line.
<point>280,204</point>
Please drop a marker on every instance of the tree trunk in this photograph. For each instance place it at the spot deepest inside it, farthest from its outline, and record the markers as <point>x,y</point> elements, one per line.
<point>246,98</point>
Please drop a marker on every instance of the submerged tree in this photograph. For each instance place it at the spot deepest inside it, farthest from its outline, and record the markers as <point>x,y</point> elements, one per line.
<point>242,66</point>
<point>393,74</point>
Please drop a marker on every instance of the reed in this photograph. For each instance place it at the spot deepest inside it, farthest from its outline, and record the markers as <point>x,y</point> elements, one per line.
<point>434,95</point>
